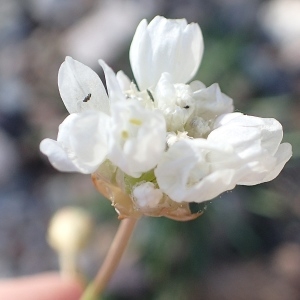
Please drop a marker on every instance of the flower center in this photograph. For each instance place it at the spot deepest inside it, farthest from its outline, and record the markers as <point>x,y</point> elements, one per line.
<point>177,106</point>
<point>197,127</point>
<point>130,128</point>
<point>184,96</point>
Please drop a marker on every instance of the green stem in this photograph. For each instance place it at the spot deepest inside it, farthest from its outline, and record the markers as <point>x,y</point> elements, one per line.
<point>111,261</point>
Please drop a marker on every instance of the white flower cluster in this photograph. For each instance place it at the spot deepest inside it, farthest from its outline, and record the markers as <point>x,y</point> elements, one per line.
<point>162,137</point>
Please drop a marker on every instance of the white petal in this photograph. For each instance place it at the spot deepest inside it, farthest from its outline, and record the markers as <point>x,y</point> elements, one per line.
<point>226,118</point>
<point>165,94</point>
<point>211,102</point>
<point>196,170</point>
<point>88,138</point>
<point>257,143</point>
<point>137,137</point>
<point>197,85</point>
<point>57,156</point>
<point>113,87</point>
<point>165,45</point>
<point>212,186</point>
<point>81,88</point>
<point>123,81</point>
<point>283,154</point>
<point>81,143</point>
<point>238,128</point>
<point>245,140</point>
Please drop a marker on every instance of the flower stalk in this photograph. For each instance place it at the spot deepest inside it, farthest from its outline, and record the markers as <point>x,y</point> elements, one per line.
<point>111,261</point>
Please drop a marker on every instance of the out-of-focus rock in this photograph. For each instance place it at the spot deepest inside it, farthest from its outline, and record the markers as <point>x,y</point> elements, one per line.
<point>106,32</point>
<point>56,12</point>
<point>9,159</point>
<point>280,19</point>
<point>286,261</point>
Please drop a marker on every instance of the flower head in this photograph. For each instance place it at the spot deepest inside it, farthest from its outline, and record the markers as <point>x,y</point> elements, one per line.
<point>154,147</point>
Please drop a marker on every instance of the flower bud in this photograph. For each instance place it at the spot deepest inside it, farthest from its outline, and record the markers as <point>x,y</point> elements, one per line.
<point>69,230</point>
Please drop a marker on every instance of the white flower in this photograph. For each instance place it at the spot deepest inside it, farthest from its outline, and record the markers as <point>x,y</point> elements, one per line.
<point>242,150</point>
<point>191,107</point>
<point>170,46</point>
<point>82,141</point>
<point>137,138</point>
<point>118,129</point>
<point>164,55</point>
<point>156,146</point>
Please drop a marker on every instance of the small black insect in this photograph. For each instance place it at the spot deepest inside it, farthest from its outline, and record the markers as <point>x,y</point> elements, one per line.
<point>186,107</point>
<point>87,98</point>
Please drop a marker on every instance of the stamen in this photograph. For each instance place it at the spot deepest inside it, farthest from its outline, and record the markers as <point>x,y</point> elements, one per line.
<point>124,134</point>
<point>135,122</point>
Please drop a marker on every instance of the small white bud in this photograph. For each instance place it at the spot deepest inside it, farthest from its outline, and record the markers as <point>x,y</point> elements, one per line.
<point>69,231</point>
<point>146,195</point>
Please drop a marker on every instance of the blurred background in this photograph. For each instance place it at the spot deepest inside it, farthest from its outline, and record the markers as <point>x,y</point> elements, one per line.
<point>247,243</point>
